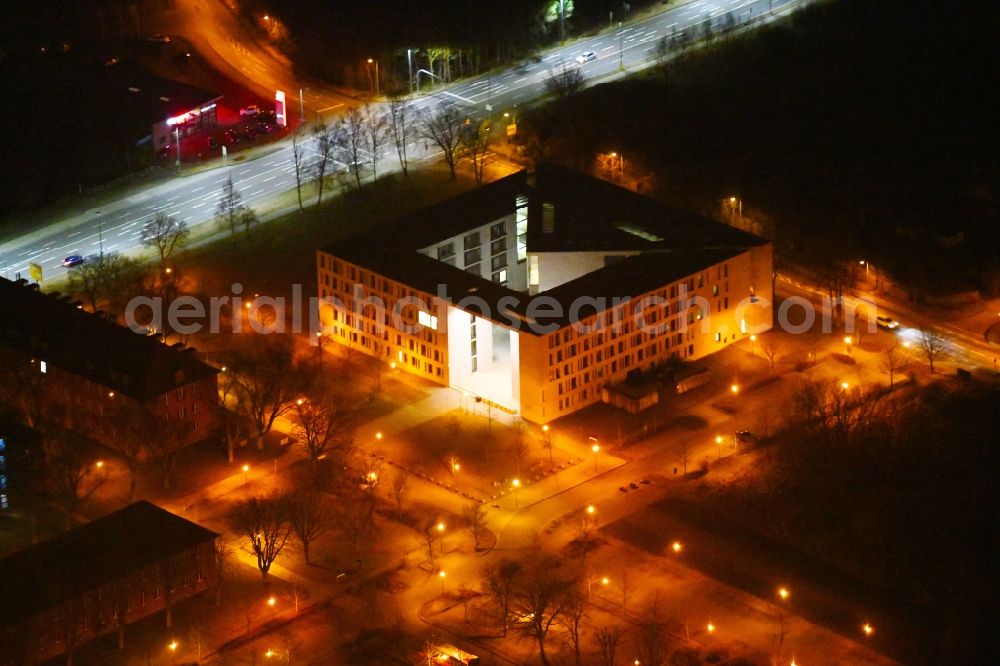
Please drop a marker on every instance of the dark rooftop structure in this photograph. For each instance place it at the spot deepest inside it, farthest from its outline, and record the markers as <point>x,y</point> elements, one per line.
<point>52,328</point>
<point>567,212</point>
<point>44,575</point>
<point>150,99</point>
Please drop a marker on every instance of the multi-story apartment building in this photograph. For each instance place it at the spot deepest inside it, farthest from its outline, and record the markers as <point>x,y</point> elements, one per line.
<point>96,579</point>
<point>79,369</point>
<point>535,291</point>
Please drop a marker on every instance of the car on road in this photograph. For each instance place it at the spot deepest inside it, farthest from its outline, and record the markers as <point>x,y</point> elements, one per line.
<point>888,323</point>
<point>586,56</point>
<point>250,110</point>
<point>72,260</point>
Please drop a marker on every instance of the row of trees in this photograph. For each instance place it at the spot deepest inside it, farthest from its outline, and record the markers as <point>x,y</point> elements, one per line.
<point>364,137</point>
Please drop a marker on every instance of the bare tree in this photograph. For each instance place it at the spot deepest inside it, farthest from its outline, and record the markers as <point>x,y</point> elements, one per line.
<point>684,451</point>
<point>110,279</point>
<point>400,120</point>
<point>223,567</point>
<point>475,516</point>
<point>893,362</point>
<point>124,430</point>
<point>500,586</point>
<point>566,82</point>
<point>320,428</point>
<point>653,646</point>
<point>574,619</point>
<point>541,598</point>
<point>932,346</point>
<point>443,125</point>
<point>608,640</point>
<point>71,475</point>
<point>376,133</point>
<point>263,521</point>
<point>24,388</point>
<point>772,351</point>
<point>231,212</point>
<point>165,441</point>
<point>519,447</point>
<point>311,515</point>
<point>268,381</point>
<point>298,160</point>
<point>328,141</point>
<point>476,141</point>
<point>353,141</point>
<point>164,234</point>
<point>399,487</point>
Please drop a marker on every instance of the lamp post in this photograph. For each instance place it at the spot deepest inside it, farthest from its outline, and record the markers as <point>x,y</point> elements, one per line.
<point>621,47</point>
<point>177,140</point>
<point>595,449</point>
<point>718,442</point>
<point>246,475</point>
<point>372,61</point>
<point>848,341</point>
<point>516,483</point>
<point>442,575</point>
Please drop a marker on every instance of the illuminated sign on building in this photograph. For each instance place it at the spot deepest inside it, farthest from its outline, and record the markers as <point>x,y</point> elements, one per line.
<point>279,108</point>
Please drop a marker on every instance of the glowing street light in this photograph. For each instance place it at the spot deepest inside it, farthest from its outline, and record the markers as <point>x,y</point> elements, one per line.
<point>848,341</point>
<point>845,385</point>
<point>172,646</point>
<point>516,483</point>
<point>246,475</point>
<point>442,575</point>
<point>378,435</point>
<point>718,441</point>
<point>591,509</point>
<point>868,629</point>
<point>271,601</point>
<point>595,448</point>
<point>99,464</point>
<point>676,547</point>
<point>734,388</point>
<point>711,628</point>
<point>784,593</point>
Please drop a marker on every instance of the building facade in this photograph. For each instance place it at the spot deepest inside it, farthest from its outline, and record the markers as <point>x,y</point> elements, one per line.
<point>96,579</point>
<point>60,363</point>
<point>538,290</point>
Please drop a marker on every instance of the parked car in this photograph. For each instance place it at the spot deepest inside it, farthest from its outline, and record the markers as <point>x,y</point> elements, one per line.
<point>888,323</point>
<point>265,128</point>
<point>250,110</point>
<point>72,260</point>
<point>586,56</point>
<point>232,136</point>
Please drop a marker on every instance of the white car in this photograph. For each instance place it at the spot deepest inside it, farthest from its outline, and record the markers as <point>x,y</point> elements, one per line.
<point>888,323</point>
<point>250,110</point>
<point>586,56</point>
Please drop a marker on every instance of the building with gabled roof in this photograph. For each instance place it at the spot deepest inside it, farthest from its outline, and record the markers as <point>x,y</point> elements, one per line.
<point>539,289</point>
<point>95,579</point>
<point>53,351</point>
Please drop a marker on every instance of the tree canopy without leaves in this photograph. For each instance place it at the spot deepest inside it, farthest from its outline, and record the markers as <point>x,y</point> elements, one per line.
<point>231,212</point>
<point>311,514</point>
<point>263,522</point>
<point>164,234</point>
<point>110,279</point>
<point>444,126</point>
<point>541,598</point>
<point>322,427</point>
<point>400,121</point>
<point>932,346</point>
<point>268,380</point>
<point>566,82</point>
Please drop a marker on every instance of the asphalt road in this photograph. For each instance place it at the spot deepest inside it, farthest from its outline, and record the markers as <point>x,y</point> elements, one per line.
<point>118,225</point>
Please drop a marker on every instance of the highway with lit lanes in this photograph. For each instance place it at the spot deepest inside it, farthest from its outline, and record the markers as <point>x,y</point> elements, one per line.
<point>118,226</point>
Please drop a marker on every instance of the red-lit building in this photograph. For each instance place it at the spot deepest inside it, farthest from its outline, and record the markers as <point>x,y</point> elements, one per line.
<point>96,579</point>
<point>61,363</point>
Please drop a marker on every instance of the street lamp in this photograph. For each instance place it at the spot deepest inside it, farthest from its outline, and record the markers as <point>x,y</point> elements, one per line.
<point>676,547</point>
<point>844,386</point>
<point>783,593</point>
<point>246,475</point>
<point>591,509</point>
<point>868,629</point>
<point>734,388</point>
<point>595,448</point>
<point>711,628</point>
<point>718,441</point>
<point>516,483</point>
<point>848,341</point>
<point>442,575</point>
<point>378,435</point>
<point>372,61</point>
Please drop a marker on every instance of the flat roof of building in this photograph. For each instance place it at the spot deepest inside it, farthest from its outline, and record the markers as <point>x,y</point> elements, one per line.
<point>51,328</point>
<point>44,575</point>
<point>568,211</point>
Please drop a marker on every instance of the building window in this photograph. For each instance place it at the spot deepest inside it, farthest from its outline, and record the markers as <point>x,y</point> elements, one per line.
<point>498,262</point>
<point>446,251</point>
<point>43,366</point>
<point>472,256</point>
<point>471,241</point>
<point>474,269</point>
<point>500,277</point>
<point>498,230</point>
<point>533,277</point>
<point>427,319</point>
<point>498,246</point>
